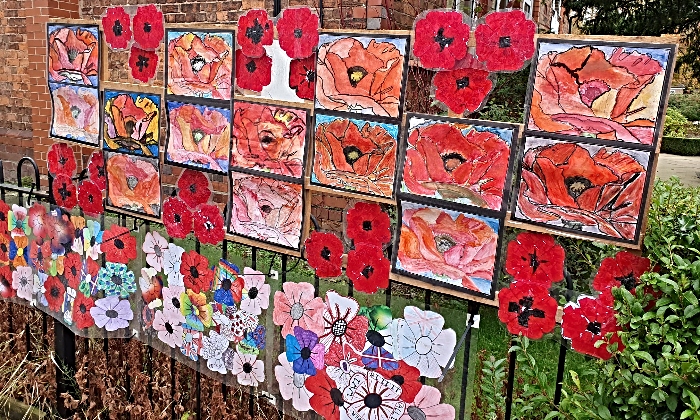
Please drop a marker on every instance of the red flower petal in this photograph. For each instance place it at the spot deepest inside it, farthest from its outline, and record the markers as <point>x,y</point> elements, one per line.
<point>118,245</point>
<point>209,225</point>
<point>535,257</point>
<point>463,90</point>
<point>54,293</point>
<point>324,252</point>
<point>441,39</point>
<point>327,399</point>
<point>81,311</point>
<point>193,188</point>
<point>197,275</point>
<point>253,73</point>
<point>6,289</point>
<point>143,63</point>
<point>72,266</point>
<point>177,218</point>
<point>90,198</point>
<point>624,270</point>
<point>587,322</point>
<point>96,170</point>
<point>302,77</point>
<point>64,192</point>
<point>255,30</point>
<point>61,160</point>
<point>367,223</point>
<point>368,269</point>
<point>408,377</point>
<point>506,40</point>
<point>298,32</point>
<point>117,27</point>
<point>527,308</point>
<point>148,27</point>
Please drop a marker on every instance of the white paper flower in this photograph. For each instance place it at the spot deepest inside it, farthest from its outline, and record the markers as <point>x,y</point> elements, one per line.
<point>420,341</point>
<point>111,313</point>
<point>172,258</point>
<point>154,245</point>
<point>371,396</point>
<point>23,282</point>
<point>256,293</point>
<point>172,304</point>
<point>169,329</point>
<point>248,370</point>
<point>213,348</point>
<point>292,384</point>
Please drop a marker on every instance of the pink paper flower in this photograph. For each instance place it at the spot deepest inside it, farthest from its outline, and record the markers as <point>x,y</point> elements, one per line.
<point>168,327</point>
<point>297,306</point>
<point>427,406</point>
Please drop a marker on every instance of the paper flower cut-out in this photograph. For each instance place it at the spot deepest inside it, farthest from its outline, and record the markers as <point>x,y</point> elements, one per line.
<point>304,351</point>
<point>588,321</point>
<point>193,188</point>
<point>535,257</point>
<point>324,252</point>
<point>96,169</point>
<point>117,28</point>
<point>368,268</point>
<point>368,224</point>
<point>292,384</point>
<point>90,198</point>
<point>506,40</point>
<point>118,245</point>
<point>64,192</point>
<point>462,90</point>
<point>297,306</point>
<point>248,370</point>
<point>253,73</point>
<point>81,311</point>
<point>209,225</point>
<point>327,399</point>
<point>343,328</point>
<point>527,308</point>
<point>116,279</point>
<point>623,270</point>
<point>255,30</point>
<point>302,77</point>
<point>177,217</point>
<point>148,27</point>
<point>426,405</point>
<point>197,275</point>
<point>256,293</point>
<point>112,313</point>
<point>61,160</point>
<point>143,63</point>
<point>298,32</point>
<point>441,39</point>
<point>169,332</point>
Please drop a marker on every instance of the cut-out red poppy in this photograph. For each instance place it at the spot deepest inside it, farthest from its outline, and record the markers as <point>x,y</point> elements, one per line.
<point>177,218</point>
<point>624,270</point>
<point>463,90</point>
<point>198,276</point>
<point>253,73</point>
<point>255,30</point>
<point>61,160</point>
<point>118,245</point>
<point>408,378</point>
<point>72,265</point>
<point>368,224</point>
<point>143,63</point>
<point>64,192</point>
<point>527,308</point>
<point>54,292</point>
<point>81,311</point>
<point>209,225</point>
<point>535,257</point>
<point>90,198</point>
<point>587,322</point>
<point>327,399</point>
<point>367,268</point>
<point>193,188</point>
<point>324,252</point>
<point>148,27</point>
<point>96,170</point>
<point>302,77</point>
<point>117,28</point>
<point>441,39</point>
<point>506,40</point>
<point>298,32</point>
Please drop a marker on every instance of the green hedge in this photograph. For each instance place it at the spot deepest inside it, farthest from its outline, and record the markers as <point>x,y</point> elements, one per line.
<point>680,146</point>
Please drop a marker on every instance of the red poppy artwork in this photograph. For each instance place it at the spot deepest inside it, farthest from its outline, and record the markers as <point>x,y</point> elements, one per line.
<point>96,170</point>
<point>441,39</point>
<point>199,136</point>
<point>61,160</point>
<point>200,64</point>
<point>64,192</point>
<point>505,40</point>
<point>600,90</point>
<point>622,270</point>
<point>148,27</point>
<point>298,32</point>
<point>367,223</point>
<point>462,91</point>
<point>527,308</point>
<point>448,247</point>
<point>269,138</point>
<point>255,31</point>
<point>76,113</point>
<point>131,122</point>
<point>90,198</point>
<point>266,209</point>
<point>582,188</point>
<point>588,321</point>
<point>133,183</point>
<point>355,155</point>
<point>177,217</point>
<point>143,63</point>
<point>117,27</point>
<point>324,253</point>
<point>194,188</point>
<point>302,77</point>
<point>74,53</point>
<point>253,73</point>
<point>535,257</point>
<point>361,74</point>
<point>368,268</point>
<point>456,161</point>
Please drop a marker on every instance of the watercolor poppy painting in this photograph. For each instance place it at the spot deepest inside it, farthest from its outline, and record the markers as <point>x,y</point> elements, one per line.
<point>199,136</point>
<point>355,155</point>
<point>200,64</point>
<point>74,53</point>
<point>133,183</point>
<point>461,161</point>
<point>131,122</point>
<point>269,138</point>
<point>76,113</point>
<point>361,74</point>
<point>586,189</point>
<point>447,247</point>
<point>266,209</point>
<point>600,90</point>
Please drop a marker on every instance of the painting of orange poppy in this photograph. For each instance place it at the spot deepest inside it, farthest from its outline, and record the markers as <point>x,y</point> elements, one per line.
<point>361,74</point>
<point>355,155</point>
<point>599,89</point>
<point>133,183</point>
<point>131,122</point>
<point>74,52</point>
<point>590,190</point>
<point>76,113</point>
<point>269,138</point>
<point>446,247</point>
<point>200,64</point>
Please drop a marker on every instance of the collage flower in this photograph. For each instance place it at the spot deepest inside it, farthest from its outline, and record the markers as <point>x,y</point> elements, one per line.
<point>324,253</point>
<point>19,251</point>
<point>367,223</point>
<point>296,306</point>
<point>148,26</point>
<point>177,218</point>
<point>81,311</point>
<point>209,225</point>
<point>373,397</point>
<point>90,198</point>
<point>196,310</point>
<point>191,343</point>
<point>37,220</point>
<point>72,269</point>
<point>302,77</point>
<point>92,239</point>
<point>18,221</point>
<point>154,245</point>
<point>368,268</point>
<point>506,40</point>
<point>535,257</point>
<point>623,270</point>
<point>248,370</point>
<point>151,286</point>
<point>304,351</point>
<point>527,308</point>
<point>117,28</point>
<point>197,275</point>
<point>256,292</point>
<point>463,90</point>
<point>169,331</point>
<point>255,30</point>
<point>193,188</point>
<point>298,32</point>
<point>344,331</point>
<point>327,399</point>
<point>112,313</point>
<point>61,160</point>
<point>589,321</point>
<point>5,241</point>
<point>116,279</point>
<point>118,244</point>
<point>228,283</point>
<point>64,192</point>
<point>143,63</point>
<point>213,347</point>
<point>253,73</point>
<point>292,385</point>
<point>23,283</point>
<point>407,377</point>
<point>172,304</point>
<point>96,170</point>
<point>53,290</point>
<point>441,39</point>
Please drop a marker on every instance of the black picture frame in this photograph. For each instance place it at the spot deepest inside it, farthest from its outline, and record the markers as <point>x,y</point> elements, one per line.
<point>96,27</point>
<point>103,112</point>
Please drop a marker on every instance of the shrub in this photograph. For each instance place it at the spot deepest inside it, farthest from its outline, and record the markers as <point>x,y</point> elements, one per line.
<point>680,146</point>
<point>676,123</point>
<point>688,105</point>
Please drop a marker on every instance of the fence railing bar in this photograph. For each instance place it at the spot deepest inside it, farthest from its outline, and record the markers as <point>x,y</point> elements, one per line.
<point>512,358</point>
<point>473,310</point>
<point>563,347</point>
<point>172,383</point>
<point>224,388</point>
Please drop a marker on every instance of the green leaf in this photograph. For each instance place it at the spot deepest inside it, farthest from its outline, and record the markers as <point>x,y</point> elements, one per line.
<point>644,355</point>
<point>690,297</point>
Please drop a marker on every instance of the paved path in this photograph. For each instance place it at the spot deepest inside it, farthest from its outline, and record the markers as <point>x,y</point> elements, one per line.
<point>687,168</point>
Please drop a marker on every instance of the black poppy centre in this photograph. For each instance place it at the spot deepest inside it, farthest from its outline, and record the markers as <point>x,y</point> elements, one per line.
<point>247,367</point>
<point>147,27</point>
<point>256,32</point>
<point>226,284</point>
<point>177,218</point>
<point>452,161</point>
<point>298,33</point>
<point>251,66</point>
<point>356,74</point>
<point>118,243</point>
<point>373,400</point>
<point>253,292</point>
<point>577,185</point>
<point>594,328</point>
<point>194,272</point>
<point>326,253</point>
<point>176,303</point>
<point>339,327</point>
<point>169,328</point>
<point>367,271</point>
<point>524,309</point>
<point>399,379</point>
<point>628,281</point>
<point>534,260</point>
<point>462,83</point>
<point>442,40</point>
<point>111,313</point>
<point>74,271</point>
<point>352,154</point>
<point>3,248</point>
<point>142,62</point>
<point>117,28</point>
<point>305,353</point>
<point>416,413</point>
<point>63,191</point>
<point>117,280</point>
<point>375,338</point>
<point>504,42</point>
<point>82,308</point>
<point>337,397</point>
<point>310,76</point>
<point>367,225</point>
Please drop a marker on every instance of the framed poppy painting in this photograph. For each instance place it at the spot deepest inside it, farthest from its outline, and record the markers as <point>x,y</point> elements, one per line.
<point>133,183</point>
<point>200,63</point>
<point>355,155</point>
<point>266,210</point>
<point>269,138</point>
<point>74,54</point>
<point>604,90</point>
<point>199,136</point>
<point>76,113</point>
<point>586,189</point>
<point>361,74</point>
<point>449,248</point>
<point>131,122</point>
<point>460,161</point>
